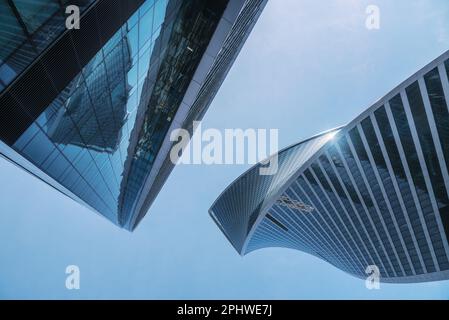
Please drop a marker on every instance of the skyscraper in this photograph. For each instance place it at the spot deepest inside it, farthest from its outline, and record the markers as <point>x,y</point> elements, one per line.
<point>372,193</point>
<point>90,110</point>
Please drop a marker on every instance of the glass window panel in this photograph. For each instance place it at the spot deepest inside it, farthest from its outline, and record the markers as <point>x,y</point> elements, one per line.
<point>145,28</point>
<point>39,148</point>
<point>159,13</point>
<point>11,33</point>
<point>35,13</point>
<point>133,40</point>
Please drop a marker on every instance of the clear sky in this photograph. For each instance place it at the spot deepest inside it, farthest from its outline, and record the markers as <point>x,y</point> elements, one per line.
<point>308,66</point>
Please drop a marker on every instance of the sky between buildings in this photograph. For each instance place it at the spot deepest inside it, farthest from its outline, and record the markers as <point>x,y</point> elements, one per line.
<point>307,67</point>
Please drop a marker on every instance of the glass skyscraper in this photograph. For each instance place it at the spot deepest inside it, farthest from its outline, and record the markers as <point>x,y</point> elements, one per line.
<point>374,192</point>
<point>89,111</point>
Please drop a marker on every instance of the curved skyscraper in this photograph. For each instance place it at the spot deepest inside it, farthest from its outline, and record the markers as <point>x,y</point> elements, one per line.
<point>90,110</point>
<point>374,192</point>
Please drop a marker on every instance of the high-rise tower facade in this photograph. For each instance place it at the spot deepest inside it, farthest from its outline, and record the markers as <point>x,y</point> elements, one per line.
<point>372,193</point>
<point>90,110</point>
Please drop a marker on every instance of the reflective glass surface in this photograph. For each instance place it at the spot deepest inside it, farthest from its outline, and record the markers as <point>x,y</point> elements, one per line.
<point>99,138</point>
<point>27,28</point>
<point>379,190</point>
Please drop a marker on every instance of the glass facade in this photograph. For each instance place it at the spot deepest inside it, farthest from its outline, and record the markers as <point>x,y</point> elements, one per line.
<point>378,189</point>
<point>100,136</point>
<point>27,28</point>
<point>239,206</point>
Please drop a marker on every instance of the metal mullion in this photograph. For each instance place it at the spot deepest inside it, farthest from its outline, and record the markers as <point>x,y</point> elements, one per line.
<point>444,82</point>
<point>312,241</point>
<point>386,200</point>
<point>369,215</point>
<point>317,235</point>
<point>345,211</point>
<point>376,172</point>
<point>270,233</point>
<point>356,213</point>
<point>313,236</point>
<point>390,170</point>
<point>337,248</point>
<point>329,215</point>
<point>434,132</point>
<point>423,165</point>
<point>337,214</point>
<point>314,224</point>
<point>410,182</point>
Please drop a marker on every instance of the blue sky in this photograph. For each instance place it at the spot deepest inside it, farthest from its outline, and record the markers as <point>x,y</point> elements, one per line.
<point>308,66</point>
